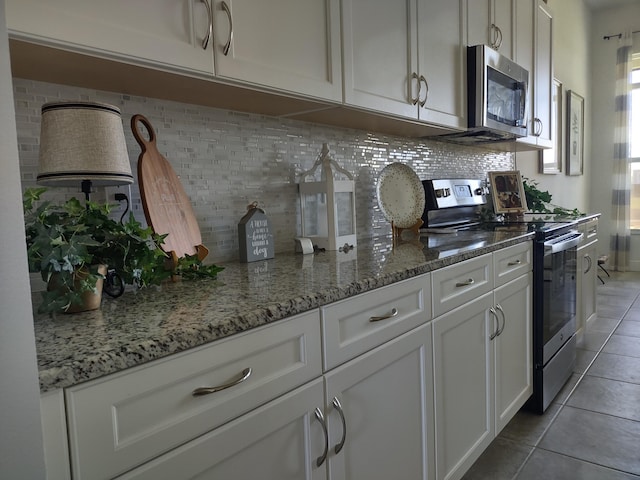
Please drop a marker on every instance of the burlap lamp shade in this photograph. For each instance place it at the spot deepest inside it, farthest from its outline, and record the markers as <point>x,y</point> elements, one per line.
<point>82,143</point>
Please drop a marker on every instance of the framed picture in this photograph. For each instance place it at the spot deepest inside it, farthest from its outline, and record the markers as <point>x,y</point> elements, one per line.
<point>575,133</point>
<point>551,158</point>
<point>507,192</point>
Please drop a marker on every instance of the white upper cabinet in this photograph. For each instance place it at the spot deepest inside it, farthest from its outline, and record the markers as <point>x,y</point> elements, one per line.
<point>288,45</point>
<point>543,76</point>
<point>534,52</point>
<point>441,45</point>
<point>405,58</point>
<point>491,22</point>
<point>170,34</point>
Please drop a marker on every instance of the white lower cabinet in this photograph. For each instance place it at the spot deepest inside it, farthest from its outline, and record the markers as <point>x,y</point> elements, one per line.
<point>386,397</point>
<point>482,356</point>
<point>399,396</point>
<point>370,406</point>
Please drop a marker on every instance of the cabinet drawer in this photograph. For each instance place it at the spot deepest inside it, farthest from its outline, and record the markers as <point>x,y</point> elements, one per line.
<point>590,231</point>
<point>461,283</point>
<point>358,324</point>
<point>511,262</point>
<point>125,419</point>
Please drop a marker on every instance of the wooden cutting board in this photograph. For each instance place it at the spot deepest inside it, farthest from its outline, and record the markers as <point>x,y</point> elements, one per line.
<point>166,205</point>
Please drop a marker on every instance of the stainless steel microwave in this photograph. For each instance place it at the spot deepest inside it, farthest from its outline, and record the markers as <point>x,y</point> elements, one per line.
<point>497,100</point>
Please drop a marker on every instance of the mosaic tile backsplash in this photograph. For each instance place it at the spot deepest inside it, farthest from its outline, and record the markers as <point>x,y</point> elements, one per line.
<point>227,160</point>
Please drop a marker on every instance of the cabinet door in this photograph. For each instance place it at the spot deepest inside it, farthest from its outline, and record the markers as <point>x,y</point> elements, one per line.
<point>379,39</point>
<point>586,285</point>
<point>502,27</point>
<point>479,22</point>
<point>524,52</point>
<point>386,397</point>
<point>513,348</point>
<point>441,45</point>
<point>543,76</point>
<point>463,378</point>
<point>278,441</point>
<point>290,45</point>
<point>169,33</point>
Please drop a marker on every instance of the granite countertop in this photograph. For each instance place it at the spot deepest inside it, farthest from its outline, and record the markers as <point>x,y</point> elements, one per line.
<point>151,323</point>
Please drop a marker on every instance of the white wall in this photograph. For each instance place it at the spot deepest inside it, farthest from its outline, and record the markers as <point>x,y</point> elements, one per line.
<point>571,34</point>
<point>21,451</point>
<point>608,22</point>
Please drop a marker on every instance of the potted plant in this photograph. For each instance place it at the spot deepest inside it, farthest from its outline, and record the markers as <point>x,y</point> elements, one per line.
<point>68,243</point>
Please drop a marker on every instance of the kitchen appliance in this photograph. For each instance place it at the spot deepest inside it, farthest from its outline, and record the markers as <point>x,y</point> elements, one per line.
<point>455,204</point>
<point>497,98</point>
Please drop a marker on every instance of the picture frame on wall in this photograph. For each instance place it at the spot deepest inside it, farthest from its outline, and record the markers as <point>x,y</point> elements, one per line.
<point>575,133</point>
<point>551,159</point>
<point>507,192</point>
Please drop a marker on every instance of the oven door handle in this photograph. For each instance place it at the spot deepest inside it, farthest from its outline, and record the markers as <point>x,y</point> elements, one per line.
<point>565,242</point>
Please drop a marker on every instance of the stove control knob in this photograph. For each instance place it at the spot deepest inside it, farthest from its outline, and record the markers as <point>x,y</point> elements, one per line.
<point>478,191</point>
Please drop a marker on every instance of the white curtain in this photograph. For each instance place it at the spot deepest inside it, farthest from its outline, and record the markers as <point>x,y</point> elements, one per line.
<point>621,234</point>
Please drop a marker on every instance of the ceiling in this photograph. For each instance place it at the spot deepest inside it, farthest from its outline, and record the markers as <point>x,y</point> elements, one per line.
<point>602,4</point>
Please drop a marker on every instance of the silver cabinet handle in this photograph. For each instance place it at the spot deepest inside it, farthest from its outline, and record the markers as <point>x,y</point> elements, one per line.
<point>320,417</point>
<point>589,261</point>
<point>538,127</point>
<point>241,377</point>
<point>495,315</point>
<point>205,42</point>
<point>497,37</point>
<point>338,407</point>
<point>514,263</point>
<point>414,100</point>
<point>394,312</point>
<point>426,86</point>
<point>225,49</point>
<point>466,283</point>
<point>504,319</point>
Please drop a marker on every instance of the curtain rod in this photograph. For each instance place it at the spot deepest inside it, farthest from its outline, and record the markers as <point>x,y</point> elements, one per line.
<point>617,35</point>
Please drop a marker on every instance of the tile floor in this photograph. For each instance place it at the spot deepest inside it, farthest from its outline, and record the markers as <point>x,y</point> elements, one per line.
<point>592,430</point>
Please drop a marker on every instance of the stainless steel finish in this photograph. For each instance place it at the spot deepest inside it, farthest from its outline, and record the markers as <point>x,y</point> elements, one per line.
<point>241,377</point>
<point>227,10</point>
<point>481,58</point>
<point>562,242</point>
<point>338,407</point>
<point>205,42</point>
<point>394,312</point>
<point>514,263</point>
<point>414,100</point>
<point>554,344</point>
<point>495,315</point>
<point>454,192</point>
<point>504,318</point>
<point>426,85</point>
<point>320,417</point>
<point>466,283</point>
<point>557,371</point>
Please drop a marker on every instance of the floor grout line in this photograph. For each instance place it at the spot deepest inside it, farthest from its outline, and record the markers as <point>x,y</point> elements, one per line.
<point>563,403</point>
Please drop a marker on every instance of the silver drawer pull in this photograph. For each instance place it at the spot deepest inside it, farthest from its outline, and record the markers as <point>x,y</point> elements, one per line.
<point>241,377</point>
<point>466,283</point>
<point>514,263</point>
<point>393,313</point>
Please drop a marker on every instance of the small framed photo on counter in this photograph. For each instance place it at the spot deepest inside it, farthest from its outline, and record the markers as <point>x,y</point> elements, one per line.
<point>507,192</point>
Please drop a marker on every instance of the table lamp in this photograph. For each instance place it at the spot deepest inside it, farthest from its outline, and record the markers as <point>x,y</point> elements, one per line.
<point>82,142</point>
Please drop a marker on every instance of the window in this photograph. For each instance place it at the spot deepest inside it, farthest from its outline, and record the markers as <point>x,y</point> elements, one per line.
<point>635,144</point>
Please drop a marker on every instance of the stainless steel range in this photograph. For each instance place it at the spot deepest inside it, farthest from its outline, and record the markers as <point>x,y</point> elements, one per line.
<point>456,204</point>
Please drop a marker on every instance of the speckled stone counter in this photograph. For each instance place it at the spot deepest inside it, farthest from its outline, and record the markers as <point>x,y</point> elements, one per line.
<point>151,323</point>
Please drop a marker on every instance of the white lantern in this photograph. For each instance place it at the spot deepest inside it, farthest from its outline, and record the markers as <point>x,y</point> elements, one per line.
<point>328,205</point>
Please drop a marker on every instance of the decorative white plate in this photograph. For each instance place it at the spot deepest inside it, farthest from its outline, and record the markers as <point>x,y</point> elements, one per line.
<point>400,195</point>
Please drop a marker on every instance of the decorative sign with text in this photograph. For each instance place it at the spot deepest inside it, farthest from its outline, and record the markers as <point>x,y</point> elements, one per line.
<point>254,235</point>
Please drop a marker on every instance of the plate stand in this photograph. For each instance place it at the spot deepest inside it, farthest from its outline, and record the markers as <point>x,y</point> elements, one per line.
<point>415,228</point>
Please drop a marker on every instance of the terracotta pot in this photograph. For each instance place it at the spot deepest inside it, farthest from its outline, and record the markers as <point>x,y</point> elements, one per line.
<point>90,300</point>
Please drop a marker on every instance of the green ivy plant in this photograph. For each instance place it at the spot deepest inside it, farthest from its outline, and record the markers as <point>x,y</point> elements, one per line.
<point>540,201</point>
<point>72,238</point>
